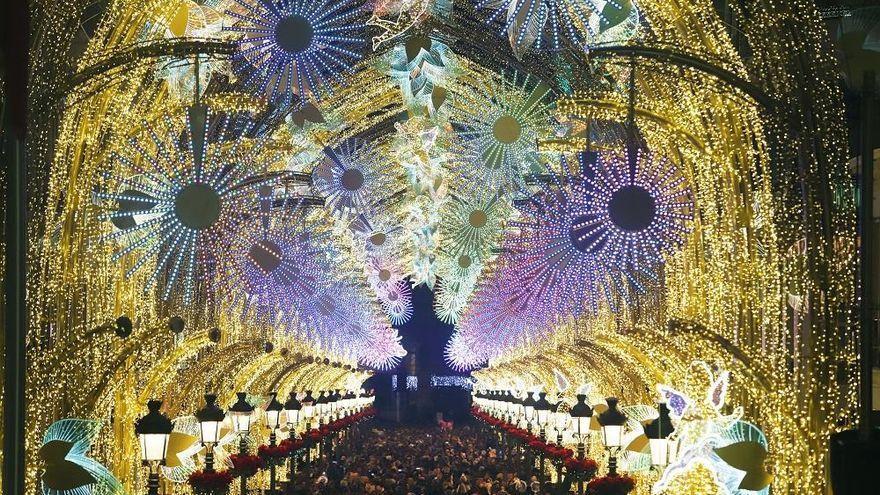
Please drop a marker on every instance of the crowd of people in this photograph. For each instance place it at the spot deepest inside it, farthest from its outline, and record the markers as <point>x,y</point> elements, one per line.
<point>401,460</point>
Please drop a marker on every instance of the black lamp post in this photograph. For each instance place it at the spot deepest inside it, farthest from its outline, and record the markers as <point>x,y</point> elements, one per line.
<point>658,432</point>
<point>153,431</point>
<point>528,405</point>
<point>308,411</point>
<point>273,421</point>
<point>612,421</point>
<point>293,408</point>
<point>242,417</point>
<point>542,414</point>
<point>581,417</point>
<point>210,418</point>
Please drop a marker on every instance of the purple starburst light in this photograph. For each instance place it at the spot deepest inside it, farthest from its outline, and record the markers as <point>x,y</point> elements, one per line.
<point>396,300</point>
<point>351,177</point>
<point>553,269</point>
<point>460,356</point>
<point>383,351</point>
<point>632,216</point>
<point>296,47</point>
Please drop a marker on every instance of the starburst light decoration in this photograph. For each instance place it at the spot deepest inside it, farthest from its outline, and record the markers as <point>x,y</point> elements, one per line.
<point>176,207</point>
<point>633,217</point>
<point>296,47</point>
<point>497,127</point>
<point>551,24</point>
<point>351,177</point>
<point>67,469</point>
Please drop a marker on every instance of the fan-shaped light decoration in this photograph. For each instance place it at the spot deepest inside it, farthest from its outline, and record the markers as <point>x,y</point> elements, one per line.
<point>67,469</point>
<point>552,267</point>
<point>631,218</point>
<point>472,226</point>
<point>396,299</point>
<point>183,447</point>
<point>497,127</point>
<point>352,176</point>
<point>296,47</point>
<point>453,292</point>
<point>553,24</point>
<point>176,207</point>
<point>384,350</point>
<point>499,318</point>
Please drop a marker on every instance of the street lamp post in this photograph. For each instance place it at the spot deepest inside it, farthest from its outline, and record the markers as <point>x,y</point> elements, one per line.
<point>293,408</point>
<point>308,411</point>
<point>242,415</point>
<point>581,417</point>
<point>658,432</point>
<point>210,418</point>
<point>542,414</point>
<point>561,419</point>
<point>529,410</point>
<point>612,420</point>
<point>153,431</point>
<point>273,421</point>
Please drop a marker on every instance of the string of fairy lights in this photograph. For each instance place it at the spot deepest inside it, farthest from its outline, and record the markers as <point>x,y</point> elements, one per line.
<point>284,201</point>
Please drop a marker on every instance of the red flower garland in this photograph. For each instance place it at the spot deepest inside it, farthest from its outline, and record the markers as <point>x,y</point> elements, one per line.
<point>585,467</point>
<point>611,485</point>
<point>244,465</point>
<point>210,483</point>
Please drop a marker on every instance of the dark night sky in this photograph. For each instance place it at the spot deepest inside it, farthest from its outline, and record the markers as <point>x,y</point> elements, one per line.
<point>425,335</point>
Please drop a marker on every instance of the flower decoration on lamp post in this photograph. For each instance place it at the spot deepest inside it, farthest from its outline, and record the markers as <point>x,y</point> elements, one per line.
<point>153,431</point>
<point>581,418</point>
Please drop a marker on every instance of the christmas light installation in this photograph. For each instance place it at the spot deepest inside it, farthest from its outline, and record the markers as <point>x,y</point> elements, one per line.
<point>176,207</point>
<point>497,127</point>
<point>551,24</point>
<point>384,350</point>
<point>422,68</point>
<point>295,47</point>
<point>459,356</point>
<point>281,260</point>
<point>632,216</point>
<point>396,300</point>
<point>351,177</point>
<point>472,226</point>
<point>553,268</point>
<point>67,469</point>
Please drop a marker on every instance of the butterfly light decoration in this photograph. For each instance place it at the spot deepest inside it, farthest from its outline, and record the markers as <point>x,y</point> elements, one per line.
<point>733,449</point>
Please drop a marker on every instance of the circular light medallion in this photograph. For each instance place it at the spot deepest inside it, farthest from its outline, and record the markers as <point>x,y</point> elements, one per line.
<point>197,206</point>
<point>464,261</point>
<point>478,219</point>
<point>352,179</point>
<point>294,33</point>
<point>266,255</point>
<point>507,129</point>
<point>632,208</point>
<point>384,275</point>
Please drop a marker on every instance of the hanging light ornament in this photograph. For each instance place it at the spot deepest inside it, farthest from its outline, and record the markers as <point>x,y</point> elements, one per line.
<point>384,350</point>
<point>422,67</point>
<point>497,127</point>
<point>459,356</point>
<point>352,177</point>
<point>554,24</point>
<point>282,261</point>
<point>296,47</point>
<point>631,217</point>
<point>553,268</point>
<point>178,206</point>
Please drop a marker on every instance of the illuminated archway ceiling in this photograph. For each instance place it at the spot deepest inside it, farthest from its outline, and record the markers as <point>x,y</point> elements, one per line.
<point>331,154</point>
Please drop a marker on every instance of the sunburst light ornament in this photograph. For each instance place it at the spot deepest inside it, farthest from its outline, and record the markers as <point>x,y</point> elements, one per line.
<point>631,217</point>
<point>553,24</point>
<point>296,47</point>
<point>497,128</point>
<point>175,207</point>
<point>352,177</point>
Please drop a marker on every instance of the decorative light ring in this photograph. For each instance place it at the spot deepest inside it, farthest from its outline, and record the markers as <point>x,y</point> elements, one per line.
<point>296,47</point>
<point>497,127</point>
<point>178,207</point>
<point>632,217</point>
<point>352,177</point>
